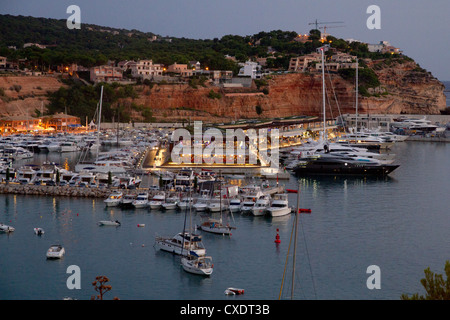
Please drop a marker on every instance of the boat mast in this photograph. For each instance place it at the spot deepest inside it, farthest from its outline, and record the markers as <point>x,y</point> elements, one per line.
<point>356,115</point>
<point>322,49</point>
<point>99,120</point>
<point>295,240</point>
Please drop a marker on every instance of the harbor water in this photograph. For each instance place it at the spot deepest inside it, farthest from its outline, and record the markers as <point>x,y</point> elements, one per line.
<point>399,223</point>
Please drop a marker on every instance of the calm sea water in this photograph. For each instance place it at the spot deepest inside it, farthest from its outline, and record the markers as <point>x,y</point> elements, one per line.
<point>399,224</point>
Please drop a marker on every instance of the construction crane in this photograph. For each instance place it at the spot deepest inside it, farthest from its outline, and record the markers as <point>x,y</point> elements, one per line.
<point>316,23</point>
<point>325,29</point>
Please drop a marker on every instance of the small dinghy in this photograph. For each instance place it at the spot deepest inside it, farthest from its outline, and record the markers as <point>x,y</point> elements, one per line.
<point>5,228</point>
<point>55,252</point>
<point>234,291</point>
<point>109,223</point>
<point>39,231</point>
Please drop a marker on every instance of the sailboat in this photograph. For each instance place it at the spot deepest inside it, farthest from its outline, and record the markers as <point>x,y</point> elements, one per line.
<point>184,243</point>
<point>217,226</point>
<point>198,265</point>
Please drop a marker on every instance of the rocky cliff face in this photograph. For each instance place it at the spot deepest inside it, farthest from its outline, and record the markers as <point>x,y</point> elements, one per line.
<point>22,95</point>
<point>404,88</point>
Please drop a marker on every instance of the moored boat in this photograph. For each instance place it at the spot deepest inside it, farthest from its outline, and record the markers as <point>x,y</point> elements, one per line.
<point>215,226</point>
<point>39,231</point>
<point>56,252</point>
<point>114,199</point>
<point>182,244</point>
<point>115,223</point>
<point>234,291</point>
<point>141,200</point>
<point>198,265</point>
<point>5,228</point>
<point>279,206</point>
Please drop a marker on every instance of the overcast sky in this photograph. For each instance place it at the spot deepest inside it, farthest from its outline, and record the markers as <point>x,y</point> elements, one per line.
<point>419,27</point>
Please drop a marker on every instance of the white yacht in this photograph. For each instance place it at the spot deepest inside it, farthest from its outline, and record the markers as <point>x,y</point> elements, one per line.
<point>279,206</point>
<point>184,178</point>
<point>185,203</point>
<point>261,205</point>
<point>17,153</point>
<point>364,140</point>
<point>114,199</point>
<point>54,146</point>
<point>127,200</point>
<point>414,124</point>
<point>171,203</point>
<point>201,204</point>
<point>235,205</point>
<point>141,200</point>
<point>249,199</point>
<point>184,244</point>
<point>26,174</point>
<point>157,200</point>
<point>206,176</point>
<point>68,146</point>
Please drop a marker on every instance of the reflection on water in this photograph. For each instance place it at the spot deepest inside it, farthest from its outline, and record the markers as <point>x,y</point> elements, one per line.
<point>399,223</point>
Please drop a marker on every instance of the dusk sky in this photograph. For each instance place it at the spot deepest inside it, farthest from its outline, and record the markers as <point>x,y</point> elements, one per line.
<point>419,28</point>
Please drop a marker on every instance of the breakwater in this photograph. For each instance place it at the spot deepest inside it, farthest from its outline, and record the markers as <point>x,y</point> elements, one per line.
<point>60,191</point>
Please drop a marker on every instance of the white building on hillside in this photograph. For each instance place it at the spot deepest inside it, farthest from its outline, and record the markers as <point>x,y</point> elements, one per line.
<point>250,69</point>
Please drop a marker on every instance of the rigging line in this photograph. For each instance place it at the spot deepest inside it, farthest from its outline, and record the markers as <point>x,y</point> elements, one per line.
<point>309,261</point>
<point>285,265</point>
<point>335,97</point>
<point>327,97</point>
<point>334,92</point>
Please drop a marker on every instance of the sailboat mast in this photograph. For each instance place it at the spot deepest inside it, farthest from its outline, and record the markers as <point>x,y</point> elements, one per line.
<point>323,94</point>
<point>295,240</point>
<point>99,120</point>
<point>356,90</point>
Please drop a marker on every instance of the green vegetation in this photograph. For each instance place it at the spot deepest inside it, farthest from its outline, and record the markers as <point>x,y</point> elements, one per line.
<point>80,100</point>
<point>367,78</point>
<point>214,95</point>
<point>436,287</point>
<point>258,110</point>
<point>95,45</point>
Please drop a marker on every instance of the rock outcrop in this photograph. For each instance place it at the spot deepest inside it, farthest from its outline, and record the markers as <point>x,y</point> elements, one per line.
<point>404,88</point>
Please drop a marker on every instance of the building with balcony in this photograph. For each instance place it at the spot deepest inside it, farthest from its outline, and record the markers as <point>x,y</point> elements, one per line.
<point>146,69</point>
<point>105,74</point>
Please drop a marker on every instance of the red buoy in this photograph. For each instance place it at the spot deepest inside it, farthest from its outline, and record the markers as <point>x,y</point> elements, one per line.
<point>277,238</point>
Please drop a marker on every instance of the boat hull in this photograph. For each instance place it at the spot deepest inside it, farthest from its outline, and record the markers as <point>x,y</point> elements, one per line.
<point>167,245</point>
<point>382,170</point>
<point>140,205</point>
<point>192,267</point>
<point>278,212</point>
